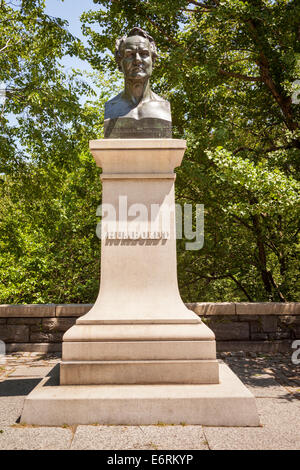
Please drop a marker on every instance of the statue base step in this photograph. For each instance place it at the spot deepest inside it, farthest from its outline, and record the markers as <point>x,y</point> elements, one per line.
<point>138,350</point>
<point>139,354</point>
<point>139,372</point>
<point>228,403</point>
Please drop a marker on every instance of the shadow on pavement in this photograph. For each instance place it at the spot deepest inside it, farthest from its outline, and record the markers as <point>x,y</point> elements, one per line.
<point>18,387</point>
<point>268,374</point>
<point>23,386</point>
<point>53,381</point>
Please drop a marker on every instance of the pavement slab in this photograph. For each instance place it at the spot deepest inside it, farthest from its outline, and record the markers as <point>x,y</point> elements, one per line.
<point>160,437</point>
<point>282,416</point>
<point>10,410</point>
<point>245,439</point>
<point>263,375</point>
<point>262,385</point>
<point>280,429</point>
<point>273,379</point>
<point>31,371</point>
<point>175,437</point>
<point>18,386</point>
<point>12,394</point>
<point>108,438</point>
<point>34,438</point>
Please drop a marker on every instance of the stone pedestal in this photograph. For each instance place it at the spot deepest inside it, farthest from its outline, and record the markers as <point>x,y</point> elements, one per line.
<point>139,330</point>
<point>138,276</point>
<point>139,346</point>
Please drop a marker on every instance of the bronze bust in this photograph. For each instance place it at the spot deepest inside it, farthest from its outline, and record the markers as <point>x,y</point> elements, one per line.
<point>137,112</point>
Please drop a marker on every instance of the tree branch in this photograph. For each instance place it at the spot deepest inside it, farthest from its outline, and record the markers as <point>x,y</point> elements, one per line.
<point>239,219</point>
<point>6,45</point>
<point>240,76</point>
<point>284,102</point>
<point>203,5</point>
<point>161,30</point>
<point>224,276</point>
<point>241,287</point>
<point>293,144</point>
<point>241,149</point>
<point>275,285</point>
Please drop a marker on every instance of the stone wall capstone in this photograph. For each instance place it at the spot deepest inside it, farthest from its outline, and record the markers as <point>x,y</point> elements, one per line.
<point>257,327</point>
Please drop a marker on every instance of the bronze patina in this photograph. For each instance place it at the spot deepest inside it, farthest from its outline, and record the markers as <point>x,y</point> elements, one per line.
<point>137,112</point>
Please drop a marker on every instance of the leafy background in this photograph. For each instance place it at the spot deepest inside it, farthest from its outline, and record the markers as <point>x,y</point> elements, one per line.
<point>229,70</point>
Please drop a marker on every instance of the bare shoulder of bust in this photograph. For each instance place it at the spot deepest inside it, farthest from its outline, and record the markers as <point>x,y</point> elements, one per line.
<point>156,97</point>
<point>116,107</point>
<point>114,100</point>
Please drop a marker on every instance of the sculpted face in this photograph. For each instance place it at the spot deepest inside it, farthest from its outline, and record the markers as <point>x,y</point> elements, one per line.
<point>136,62</point>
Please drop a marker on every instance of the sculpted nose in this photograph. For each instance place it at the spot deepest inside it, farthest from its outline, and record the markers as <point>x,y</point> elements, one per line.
<point>137,58</point>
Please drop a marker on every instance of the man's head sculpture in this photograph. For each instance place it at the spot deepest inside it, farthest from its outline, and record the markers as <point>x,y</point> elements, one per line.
<point>120,45</point>
<point>137,112</point>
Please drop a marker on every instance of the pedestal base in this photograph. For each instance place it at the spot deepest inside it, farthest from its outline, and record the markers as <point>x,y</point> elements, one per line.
<point>139,372</point>
<point>228,403</point>
<point>139,354</point>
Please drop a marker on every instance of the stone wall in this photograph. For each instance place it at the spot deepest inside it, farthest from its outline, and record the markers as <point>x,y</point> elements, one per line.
<point>248,327</point>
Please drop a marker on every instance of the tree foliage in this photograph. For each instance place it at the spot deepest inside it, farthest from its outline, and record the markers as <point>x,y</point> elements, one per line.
<point>229,70</point>
<point>41,97</point>
<point>49,185</point>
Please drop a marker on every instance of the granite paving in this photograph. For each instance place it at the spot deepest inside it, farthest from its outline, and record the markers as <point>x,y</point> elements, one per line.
<point>272,378</point>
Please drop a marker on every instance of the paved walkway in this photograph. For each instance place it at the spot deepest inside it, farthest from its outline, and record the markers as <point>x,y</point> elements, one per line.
<point>273,379</point>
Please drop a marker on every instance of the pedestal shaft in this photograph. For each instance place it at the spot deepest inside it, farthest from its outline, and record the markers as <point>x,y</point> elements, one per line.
<point>138,272</point>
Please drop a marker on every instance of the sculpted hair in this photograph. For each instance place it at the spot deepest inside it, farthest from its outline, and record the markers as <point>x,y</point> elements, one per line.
<point>134,32</point>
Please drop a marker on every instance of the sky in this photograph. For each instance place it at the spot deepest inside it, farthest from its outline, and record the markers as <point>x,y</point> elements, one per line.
<point>71,11</point>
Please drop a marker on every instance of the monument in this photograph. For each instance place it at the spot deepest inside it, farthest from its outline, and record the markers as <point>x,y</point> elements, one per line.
<point>139,356</point>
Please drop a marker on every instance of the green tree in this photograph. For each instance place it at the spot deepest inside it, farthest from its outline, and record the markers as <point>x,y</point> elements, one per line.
<point>228,69</point>
<point>41,99</point>
<point>49,184</point>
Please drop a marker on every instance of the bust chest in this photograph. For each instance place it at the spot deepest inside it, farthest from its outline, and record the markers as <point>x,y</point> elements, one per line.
<point>146,109</point>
